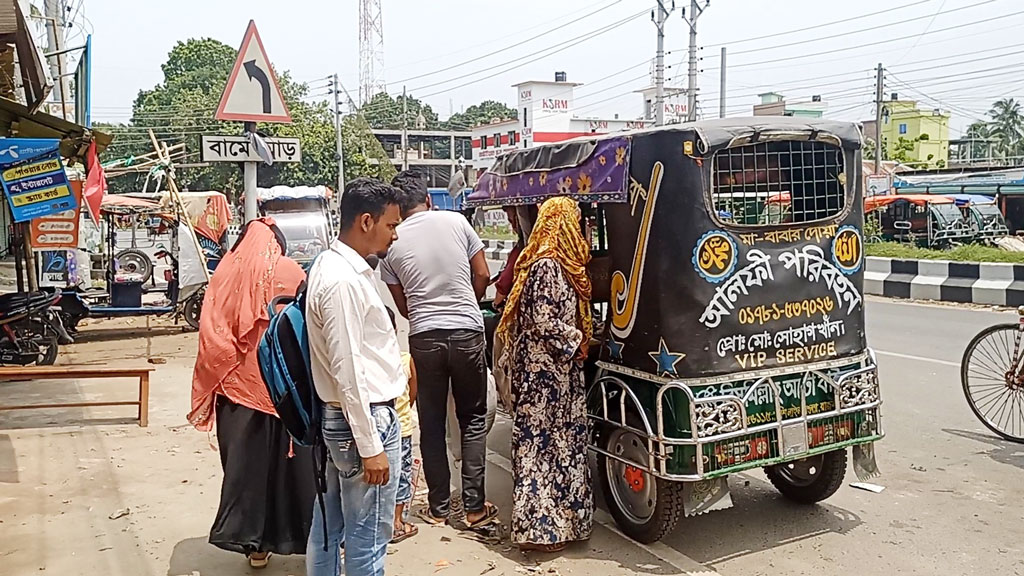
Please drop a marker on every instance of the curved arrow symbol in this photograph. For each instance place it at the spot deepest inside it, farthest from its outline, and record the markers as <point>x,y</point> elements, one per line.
<point>257,73</point>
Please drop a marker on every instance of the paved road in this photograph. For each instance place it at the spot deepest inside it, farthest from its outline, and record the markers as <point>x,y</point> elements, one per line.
<point>952,502</point>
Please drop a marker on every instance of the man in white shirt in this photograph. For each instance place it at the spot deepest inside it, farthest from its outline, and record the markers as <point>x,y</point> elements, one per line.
<point>437,273</point>
<point>357,372</point>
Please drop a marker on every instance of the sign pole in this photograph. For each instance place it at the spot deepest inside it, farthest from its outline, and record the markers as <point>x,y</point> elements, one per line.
<point>249,179</point>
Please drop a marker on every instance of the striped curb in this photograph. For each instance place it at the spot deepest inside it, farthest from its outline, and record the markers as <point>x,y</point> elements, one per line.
<point>962,282</point>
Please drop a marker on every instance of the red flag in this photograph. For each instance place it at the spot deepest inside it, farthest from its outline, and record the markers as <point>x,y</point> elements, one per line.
<point>95,183</point>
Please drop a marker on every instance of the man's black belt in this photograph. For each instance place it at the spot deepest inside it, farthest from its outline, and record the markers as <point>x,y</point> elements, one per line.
<point>389,404</point>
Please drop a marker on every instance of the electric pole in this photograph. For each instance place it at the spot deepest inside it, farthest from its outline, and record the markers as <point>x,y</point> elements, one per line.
<point>721,89</point>
<point>691,89</point>
<point>659,62</point>
<point>54,18</point>
<point>879,96</point>
<point>340,153</point>
<point>405,130</point>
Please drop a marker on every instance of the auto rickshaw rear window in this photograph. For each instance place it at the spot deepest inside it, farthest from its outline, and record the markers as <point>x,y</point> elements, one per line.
<point>778,182</point>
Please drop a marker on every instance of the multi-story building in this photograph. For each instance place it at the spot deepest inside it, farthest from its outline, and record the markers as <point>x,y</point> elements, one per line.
<point>915,137</point>
<point>774,104</point>
<point>546,113</point>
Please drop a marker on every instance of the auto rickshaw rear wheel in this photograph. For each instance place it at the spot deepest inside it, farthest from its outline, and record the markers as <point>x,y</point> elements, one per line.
<point>809,480</point>
<point>192,309</point>
<point>645,508</point>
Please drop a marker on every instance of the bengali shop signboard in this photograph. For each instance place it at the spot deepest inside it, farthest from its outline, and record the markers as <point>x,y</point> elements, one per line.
<point>59,231</point>
<point>35,182</point>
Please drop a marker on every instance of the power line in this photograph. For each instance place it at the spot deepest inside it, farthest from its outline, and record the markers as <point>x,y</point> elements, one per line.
<point>852,32</point>
<point>493,41</point>
<point>506,48</point>
<point>926,29</point>
<point>816,26</point>
<point>877,43</point>
<point>560,47</point>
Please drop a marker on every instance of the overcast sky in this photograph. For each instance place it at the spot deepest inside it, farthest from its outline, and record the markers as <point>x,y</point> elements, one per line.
<point>959,55</point>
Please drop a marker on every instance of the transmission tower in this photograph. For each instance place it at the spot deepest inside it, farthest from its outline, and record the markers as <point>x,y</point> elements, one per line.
<point>371,50</point>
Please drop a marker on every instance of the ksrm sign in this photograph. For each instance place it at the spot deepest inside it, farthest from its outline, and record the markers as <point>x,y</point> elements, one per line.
<point>555,104</point>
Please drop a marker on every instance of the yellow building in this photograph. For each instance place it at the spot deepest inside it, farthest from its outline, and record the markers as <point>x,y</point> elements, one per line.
<point>925,134</point>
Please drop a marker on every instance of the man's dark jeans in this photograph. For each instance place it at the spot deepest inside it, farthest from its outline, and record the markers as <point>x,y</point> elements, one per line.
<point>458,357</point>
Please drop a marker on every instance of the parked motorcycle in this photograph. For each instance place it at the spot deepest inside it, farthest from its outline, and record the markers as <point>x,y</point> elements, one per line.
<point>30,328</point>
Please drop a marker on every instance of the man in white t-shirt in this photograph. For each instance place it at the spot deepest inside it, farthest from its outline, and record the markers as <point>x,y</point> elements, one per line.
<point>437,273</point>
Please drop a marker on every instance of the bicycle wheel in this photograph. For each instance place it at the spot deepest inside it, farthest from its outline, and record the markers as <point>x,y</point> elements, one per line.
<point>992,375</point>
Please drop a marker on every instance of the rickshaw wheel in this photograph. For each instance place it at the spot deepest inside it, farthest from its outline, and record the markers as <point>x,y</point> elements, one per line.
<point>135,262</point>
<point>192,309</point>
<point>809,480</point>
<point>645,508</point>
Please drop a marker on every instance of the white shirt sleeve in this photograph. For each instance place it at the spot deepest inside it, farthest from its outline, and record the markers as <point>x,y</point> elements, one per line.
<point>342,309</point>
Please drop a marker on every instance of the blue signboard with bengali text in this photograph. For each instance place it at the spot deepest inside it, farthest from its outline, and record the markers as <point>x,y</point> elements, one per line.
<point>33,178</point>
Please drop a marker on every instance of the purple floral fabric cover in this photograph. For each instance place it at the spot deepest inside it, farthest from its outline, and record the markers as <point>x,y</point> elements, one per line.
<point>586,171</point>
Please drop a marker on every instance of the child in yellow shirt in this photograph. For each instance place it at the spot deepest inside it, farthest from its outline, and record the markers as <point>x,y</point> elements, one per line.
<point>403,405</point>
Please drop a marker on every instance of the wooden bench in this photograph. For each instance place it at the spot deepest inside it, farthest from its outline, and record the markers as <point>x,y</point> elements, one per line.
<point>9,373</point>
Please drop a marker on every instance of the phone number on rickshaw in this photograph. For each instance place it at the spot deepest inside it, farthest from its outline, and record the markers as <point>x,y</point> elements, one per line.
<point>789,310</point>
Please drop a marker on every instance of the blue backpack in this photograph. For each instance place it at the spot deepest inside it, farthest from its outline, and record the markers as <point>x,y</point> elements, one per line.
<point>283,355</point>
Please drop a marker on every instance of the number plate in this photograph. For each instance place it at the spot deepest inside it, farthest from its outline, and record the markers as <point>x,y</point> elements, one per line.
<point>794,439</point>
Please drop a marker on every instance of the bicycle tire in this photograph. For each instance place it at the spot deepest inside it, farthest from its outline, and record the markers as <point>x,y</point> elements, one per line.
<point>965,365</point>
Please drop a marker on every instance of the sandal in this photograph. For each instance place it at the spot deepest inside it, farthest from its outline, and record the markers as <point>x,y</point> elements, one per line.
<point>429,518</point>
<point>545,548</point>
<point>407,531</point>
<point>489,517</point>
<point>259,560</point>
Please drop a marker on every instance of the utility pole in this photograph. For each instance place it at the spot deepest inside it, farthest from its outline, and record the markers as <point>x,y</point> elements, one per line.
<point>249,180</point>
<point>721,89</point>
<point>54,17</point>
<point>340,153</point>
<point>691,87</point>
<point>879,95</point>
<point>659,62</point>
<point>405,130</point>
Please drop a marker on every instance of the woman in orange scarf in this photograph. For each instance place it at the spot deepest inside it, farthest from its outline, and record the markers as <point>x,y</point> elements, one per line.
<point>546,329</point>
<point>266,500</point>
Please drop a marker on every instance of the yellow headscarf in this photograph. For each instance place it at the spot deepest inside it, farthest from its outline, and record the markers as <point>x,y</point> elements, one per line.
<point>556,235</point>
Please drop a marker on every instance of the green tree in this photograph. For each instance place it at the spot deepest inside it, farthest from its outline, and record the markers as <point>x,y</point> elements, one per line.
<point>979,133</point>
<point>482,113</point>
<point>1007,126</point>
<point>384,112</point>
<point>180,109</point>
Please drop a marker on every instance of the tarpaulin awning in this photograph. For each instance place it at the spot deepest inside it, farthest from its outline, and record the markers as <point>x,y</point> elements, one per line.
<point>17,120</point>
<point>208,211</point>
<point>586,170</point>
<point>876,202</point>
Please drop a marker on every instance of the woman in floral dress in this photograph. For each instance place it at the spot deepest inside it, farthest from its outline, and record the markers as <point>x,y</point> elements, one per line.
<point>546,328</point>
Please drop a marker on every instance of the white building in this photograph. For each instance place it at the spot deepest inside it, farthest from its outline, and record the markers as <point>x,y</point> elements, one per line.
<point>546,114</point>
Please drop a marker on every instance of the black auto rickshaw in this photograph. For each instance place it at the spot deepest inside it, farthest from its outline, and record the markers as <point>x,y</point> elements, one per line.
<point>727,343</point>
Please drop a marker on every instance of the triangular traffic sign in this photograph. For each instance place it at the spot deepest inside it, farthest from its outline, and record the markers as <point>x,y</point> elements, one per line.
<point>252,93</point>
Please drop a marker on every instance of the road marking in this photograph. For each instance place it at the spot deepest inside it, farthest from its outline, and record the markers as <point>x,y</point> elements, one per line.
<point>686,565</point>
<point>917,358</point>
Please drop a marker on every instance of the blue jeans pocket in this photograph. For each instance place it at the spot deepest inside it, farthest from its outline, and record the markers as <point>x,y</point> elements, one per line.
<point>345,456</point>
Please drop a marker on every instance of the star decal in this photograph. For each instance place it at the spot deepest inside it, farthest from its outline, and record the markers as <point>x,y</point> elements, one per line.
<point>665,359</point>
<point>614,348</point>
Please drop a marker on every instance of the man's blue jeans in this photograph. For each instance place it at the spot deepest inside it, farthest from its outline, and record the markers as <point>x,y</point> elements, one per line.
<point>360,515</point>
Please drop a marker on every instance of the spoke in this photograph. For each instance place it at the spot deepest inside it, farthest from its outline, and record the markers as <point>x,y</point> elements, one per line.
<point>995,363</point>
<point>999,415</point>
<point>983,401</point>
<point>990,404</point>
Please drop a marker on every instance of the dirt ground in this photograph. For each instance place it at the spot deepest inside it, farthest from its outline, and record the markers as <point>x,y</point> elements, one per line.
<point>87,491</point>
